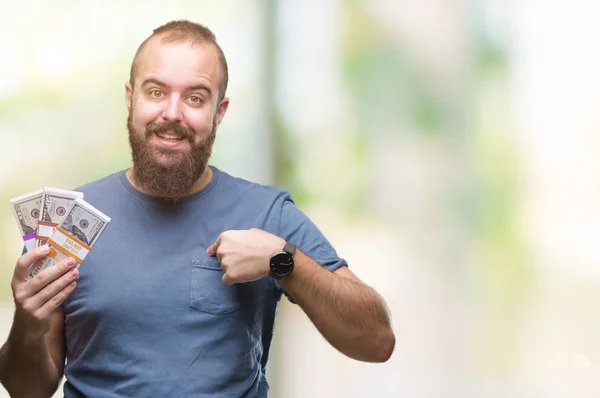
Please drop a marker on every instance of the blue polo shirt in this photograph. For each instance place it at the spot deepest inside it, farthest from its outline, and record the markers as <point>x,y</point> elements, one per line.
<point>150,316</point>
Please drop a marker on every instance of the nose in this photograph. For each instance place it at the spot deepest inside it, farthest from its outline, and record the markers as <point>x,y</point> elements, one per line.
<point>173,110</point>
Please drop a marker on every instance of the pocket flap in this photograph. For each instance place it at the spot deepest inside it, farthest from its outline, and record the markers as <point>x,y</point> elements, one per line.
<point>206,262</point>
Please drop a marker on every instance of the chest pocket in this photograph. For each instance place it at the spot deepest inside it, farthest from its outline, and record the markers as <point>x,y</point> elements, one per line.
<point>208,293</point>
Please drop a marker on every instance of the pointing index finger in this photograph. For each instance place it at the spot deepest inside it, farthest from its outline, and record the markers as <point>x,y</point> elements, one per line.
<point>212,249</point>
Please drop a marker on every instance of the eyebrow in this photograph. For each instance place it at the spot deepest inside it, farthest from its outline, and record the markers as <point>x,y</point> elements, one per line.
<point>196,87</point>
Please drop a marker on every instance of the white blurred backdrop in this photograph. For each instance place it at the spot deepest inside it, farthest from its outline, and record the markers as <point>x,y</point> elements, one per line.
<point>447,148</point>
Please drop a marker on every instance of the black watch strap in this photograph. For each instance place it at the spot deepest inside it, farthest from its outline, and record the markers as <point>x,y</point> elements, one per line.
<point>289,248</point>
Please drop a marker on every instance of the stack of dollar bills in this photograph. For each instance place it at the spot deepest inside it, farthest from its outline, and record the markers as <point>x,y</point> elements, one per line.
<point>60,218</point>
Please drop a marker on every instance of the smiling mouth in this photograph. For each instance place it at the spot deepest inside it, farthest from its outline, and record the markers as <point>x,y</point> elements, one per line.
<point>170,136</point>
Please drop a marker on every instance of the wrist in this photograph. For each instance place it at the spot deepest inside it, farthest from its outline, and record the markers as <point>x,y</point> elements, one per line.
<point>23,335</point>
<point>278,244</point>
<point>25,340</point>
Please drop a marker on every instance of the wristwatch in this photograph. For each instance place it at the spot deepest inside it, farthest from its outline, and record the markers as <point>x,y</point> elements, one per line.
<point>282,263</point>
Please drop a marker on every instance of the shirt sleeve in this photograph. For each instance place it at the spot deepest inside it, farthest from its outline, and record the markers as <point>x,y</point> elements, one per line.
<point>296,228</point>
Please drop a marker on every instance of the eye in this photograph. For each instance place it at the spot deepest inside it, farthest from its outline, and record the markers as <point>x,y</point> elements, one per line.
<point>156,94</point>
<point>194,99</point>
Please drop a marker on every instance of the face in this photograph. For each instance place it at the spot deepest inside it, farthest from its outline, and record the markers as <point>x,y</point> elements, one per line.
<point>173,115</point>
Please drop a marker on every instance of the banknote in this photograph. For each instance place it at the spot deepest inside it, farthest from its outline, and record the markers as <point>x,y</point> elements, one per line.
<point>56,204</point>
<point>84,222</point>
<point>74,236</point>
<point>26,209</point>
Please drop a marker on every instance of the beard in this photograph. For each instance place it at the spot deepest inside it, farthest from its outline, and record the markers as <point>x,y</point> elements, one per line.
<point>174,177</point>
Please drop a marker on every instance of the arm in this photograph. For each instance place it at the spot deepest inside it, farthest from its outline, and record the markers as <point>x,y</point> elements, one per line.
<point>350,315</point>
<point>32,359</point>
<point>33,368</point>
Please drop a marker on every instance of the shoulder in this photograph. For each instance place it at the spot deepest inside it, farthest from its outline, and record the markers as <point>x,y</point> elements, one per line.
<point>249,191</point>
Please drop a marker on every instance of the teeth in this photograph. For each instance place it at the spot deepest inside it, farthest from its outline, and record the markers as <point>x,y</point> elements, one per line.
<point>170,137</point>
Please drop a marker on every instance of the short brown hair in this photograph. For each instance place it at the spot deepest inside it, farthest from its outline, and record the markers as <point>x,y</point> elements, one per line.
<point>182,31</point>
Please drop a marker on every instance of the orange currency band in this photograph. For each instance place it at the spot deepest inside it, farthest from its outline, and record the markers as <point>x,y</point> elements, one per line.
<point>65,251</point>
<point>47,223</point>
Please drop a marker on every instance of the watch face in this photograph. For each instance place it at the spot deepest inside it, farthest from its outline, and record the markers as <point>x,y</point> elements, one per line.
<point>282,263</point>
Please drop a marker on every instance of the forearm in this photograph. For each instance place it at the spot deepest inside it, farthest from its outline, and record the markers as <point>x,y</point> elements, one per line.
<point>350,315</point>
<point>26,368</point>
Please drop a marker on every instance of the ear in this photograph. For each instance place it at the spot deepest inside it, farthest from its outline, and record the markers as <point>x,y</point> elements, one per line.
<point>222,109</point>
<point>128,95</point>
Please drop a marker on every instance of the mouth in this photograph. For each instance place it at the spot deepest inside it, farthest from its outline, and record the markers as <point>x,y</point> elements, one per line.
<point>171,140</point>
<point>170,136</point>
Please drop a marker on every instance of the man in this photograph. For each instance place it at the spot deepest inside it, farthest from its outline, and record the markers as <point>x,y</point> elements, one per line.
<point>178,296</point>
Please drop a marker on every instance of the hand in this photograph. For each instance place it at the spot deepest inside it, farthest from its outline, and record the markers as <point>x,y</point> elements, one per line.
<point>38,297</point>
<point>244,255</point>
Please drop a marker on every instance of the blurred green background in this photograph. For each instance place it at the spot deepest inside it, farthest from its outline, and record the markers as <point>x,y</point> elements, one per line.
<point>447,148</point>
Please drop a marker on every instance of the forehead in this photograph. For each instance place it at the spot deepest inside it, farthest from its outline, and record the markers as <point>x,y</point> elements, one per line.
<point>178,64</point>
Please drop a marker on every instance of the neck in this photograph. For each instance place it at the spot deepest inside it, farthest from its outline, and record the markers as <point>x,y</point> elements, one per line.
<point>198,185</point>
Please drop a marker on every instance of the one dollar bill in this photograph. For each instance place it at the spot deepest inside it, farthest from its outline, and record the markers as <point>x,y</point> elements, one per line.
<point>74,236</point>
<point>26,209</point>
<point>56,204</point>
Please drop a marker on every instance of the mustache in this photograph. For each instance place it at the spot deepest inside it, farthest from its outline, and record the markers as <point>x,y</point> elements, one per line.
<point>156,128</point>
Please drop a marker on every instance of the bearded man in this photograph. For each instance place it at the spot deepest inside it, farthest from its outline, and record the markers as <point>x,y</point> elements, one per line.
<point>178,297</point>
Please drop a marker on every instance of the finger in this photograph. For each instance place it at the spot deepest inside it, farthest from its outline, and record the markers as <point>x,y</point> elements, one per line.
<point>49,275</point>
<point>53,288</point>
<point>226,279</point>
<point>212,249</point>
<point>26,260</point>
<point>51,305</point>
